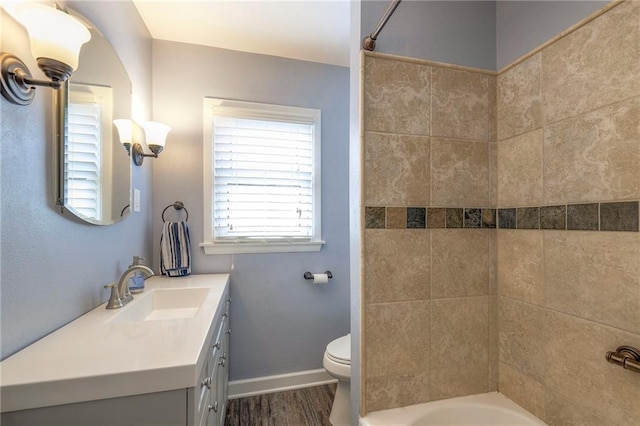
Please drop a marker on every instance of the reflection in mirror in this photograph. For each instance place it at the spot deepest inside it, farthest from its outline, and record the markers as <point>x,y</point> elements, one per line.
<point>94,169</point>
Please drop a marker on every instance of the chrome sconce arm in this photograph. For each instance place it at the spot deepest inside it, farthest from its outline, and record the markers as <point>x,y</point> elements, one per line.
<point>17,84</point>
<point>138,154</point>
<point>155,134</point>
<point>56,38</point>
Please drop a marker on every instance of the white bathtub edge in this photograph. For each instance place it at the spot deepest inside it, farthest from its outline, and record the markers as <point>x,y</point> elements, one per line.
<point>408,415</point>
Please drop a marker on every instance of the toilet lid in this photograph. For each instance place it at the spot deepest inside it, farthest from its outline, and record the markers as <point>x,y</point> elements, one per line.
<point>340,349</point>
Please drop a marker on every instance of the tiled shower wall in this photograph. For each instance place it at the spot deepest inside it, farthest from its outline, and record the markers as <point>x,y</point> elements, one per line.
<point>429,286</point>
<point>569,133</point>
<point>567,125</point>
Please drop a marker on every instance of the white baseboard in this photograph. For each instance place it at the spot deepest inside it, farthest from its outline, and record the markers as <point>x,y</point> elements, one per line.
<point>281,382</point>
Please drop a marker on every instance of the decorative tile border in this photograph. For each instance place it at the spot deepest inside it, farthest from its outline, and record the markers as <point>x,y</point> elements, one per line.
<point>616,216</point>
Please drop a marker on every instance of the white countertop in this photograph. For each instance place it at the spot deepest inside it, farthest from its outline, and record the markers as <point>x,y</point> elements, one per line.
<point>92,358</point>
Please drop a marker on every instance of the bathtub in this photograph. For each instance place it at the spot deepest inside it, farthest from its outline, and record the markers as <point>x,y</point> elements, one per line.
<point>490,409</point>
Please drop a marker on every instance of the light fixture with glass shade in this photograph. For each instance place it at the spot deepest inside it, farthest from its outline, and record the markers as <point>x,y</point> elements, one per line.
<point>155,135</point>
<point>125,132</point>
<point>56,38</point>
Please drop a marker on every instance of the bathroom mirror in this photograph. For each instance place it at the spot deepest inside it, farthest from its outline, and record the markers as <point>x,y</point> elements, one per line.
<point>93,168</point>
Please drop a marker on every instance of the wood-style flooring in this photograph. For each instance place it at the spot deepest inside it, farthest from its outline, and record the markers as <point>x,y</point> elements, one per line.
<point>300,407</point>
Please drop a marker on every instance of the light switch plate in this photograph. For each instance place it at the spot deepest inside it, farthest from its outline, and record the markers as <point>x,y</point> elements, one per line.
<point>136,200</point>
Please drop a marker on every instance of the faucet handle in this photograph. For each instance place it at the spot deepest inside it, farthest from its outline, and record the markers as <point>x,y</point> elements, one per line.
<point>114,300</point>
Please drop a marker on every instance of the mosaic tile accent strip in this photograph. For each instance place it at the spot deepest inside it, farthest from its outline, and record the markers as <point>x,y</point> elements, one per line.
<point>473,218</point>
<point>507,218</point>
<point>553,217</point>
<point>621,216</point>
<point>436,218</point>
<point>416,217</point>
<point>582,217</point>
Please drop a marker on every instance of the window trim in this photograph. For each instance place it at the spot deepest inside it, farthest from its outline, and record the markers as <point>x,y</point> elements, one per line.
<point>258,111</point>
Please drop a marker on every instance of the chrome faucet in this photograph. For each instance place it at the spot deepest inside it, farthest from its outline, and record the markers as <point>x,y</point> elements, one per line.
<point>123,284</point>
<point>120,293</point>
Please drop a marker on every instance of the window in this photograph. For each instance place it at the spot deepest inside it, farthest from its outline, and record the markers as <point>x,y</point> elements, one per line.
<point>262,178</point>
<point>87,126</point>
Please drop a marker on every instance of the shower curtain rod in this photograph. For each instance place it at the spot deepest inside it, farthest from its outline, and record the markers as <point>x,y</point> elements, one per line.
<point>369,42</point>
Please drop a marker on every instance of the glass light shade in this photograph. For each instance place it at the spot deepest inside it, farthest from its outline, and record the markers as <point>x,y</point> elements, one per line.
<point>125,130</point>
<point>155,133</point>
<point>53,33</point>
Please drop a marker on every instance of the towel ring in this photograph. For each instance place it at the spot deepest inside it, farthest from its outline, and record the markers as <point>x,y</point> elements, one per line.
<point>178,205</point>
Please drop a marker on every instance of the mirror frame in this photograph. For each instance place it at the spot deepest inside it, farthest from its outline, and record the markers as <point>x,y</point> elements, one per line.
<point>60,102</point>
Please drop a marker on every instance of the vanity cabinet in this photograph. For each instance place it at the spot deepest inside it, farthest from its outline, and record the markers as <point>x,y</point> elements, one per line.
<point>207,402</point>
<point>202,404</point>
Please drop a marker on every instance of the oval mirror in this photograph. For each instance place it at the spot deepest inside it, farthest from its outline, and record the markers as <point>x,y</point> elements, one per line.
<point>94,169</point>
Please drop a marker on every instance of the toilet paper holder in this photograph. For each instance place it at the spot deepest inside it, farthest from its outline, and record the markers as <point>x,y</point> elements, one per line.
<point>309,276</point>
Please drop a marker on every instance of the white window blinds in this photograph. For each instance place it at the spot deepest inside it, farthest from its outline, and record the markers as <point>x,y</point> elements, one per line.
<point>82,158</point>
<point>262,172</point>
<point>263,178</point>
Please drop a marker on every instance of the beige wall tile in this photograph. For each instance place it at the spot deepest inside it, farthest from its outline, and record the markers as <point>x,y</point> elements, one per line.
<point>595,275</point>
<point>396,170</point>
<point>561,411</point>
<point>396,96</point>
<point>523,390</point>
<point>459,347</point>
<point>594,66</point>
<point>459,263</point>
<point>494,343</point>
<point>396,391</point>
<point>460,104</point>
<point>520,265</point>
<point>396,264</point>
<point>595,156</point>
<point>460,329</point>
<point>459,380</point>
<point>459,173</point>
<point>520,172</point>
<point>576,366</point>
<point>518,99</point>
<point>493,174</point>
<point>397,338</point>
<point>493,109</point>
<point>522,337</point>
<point>493,262</point>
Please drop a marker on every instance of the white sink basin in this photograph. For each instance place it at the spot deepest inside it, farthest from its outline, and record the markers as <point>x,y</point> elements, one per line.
<point>163,304</point>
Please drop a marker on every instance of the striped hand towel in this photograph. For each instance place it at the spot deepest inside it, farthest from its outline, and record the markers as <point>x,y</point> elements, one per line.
<point>175,249</point>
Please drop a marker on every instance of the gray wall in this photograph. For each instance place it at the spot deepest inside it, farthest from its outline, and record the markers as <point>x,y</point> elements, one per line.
<point>52,268</point>
<point>281,323</point>
<point>521,26</point>
<point>482,34</point>
<point>455,32</point>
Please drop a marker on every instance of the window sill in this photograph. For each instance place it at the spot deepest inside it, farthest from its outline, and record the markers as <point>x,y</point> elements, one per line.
<point>260,247</point>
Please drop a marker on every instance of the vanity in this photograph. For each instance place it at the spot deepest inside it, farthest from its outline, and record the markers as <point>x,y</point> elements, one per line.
<point>160,360</point>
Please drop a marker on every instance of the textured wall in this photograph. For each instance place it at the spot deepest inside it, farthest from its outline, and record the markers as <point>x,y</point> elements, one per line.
<point>428,288</point>
<point>569,132</point>
<point>53,268</point>
<point>281,323</point>
<point>455,32</point>
<point>521,26</point>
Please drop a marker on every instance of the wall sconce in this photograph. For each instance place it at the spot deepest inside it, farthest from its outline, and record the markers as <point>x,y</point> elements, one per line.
<point>56,38</point>
<point>125,132</point>
<point>155,135</point>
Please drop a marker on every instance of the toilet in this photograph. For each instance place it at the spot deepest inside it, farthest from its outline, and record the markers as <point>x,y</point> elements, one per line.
<point>337,362</point>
